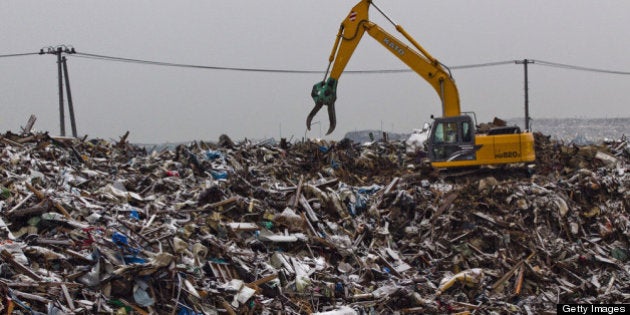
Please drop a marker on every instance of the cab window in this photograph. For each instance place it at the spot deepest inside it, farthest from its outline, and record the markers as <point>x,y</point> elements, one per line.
<point>466,134</point>
<point>438,135</point>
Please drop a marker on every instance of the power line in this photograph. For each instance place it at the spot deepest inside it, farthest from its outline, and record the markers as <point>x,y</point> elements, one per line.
<point>18,55</point>
<point>181,65</point>
<point>481,65</point>
<point>170,64</point>
<point>460,67</point>
<point>377,71</point>
<point>580,68</point>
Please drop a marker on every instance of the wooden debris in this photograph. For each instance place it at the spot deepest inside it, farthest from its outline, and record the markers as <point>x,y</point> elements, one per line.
<point>308,227</point>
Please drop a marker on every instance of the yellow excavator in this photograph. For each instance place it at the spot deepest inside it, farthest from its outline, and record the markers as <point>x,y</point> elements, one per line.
<point>453,140</point>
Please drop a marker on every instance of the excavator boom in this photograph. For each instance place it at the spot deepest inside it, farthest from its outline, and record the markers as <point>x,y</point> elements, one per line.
<point>417,58</point>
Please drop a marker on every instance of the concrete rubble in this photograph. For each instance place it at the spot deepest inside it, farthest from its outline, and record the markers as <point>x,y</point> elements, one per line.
<point>312,227</point>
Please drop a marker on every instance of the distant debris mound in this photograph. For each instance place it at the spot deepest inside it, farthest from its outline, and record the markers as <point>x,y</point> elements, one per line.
<point>363,136</point>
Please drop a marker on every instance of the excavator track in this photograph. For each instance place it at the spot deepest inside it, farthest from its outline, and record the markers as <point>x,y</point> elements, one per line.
<point>499,172</point>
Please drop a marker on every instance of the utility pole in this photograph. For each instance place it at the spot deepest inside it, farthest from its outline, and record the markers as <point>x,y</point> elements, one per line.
<point>61,65</point>
<point>70,106</point>
<point>525,62</point>
<point>62,117</point>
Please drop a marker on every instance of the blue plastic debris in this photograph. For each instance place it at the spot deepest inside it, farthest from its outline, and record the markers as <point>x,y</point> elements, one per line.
<point>219,174</point>
<point>134,215</point>
<point>369,189</point>
<point>361,202</point>
<point>122,242</point>
<point>213,155</point>
<point>120,239</point>
<point>339,287</point>
<point>334,164</point>
<point>133,259</point>
<point>187,311</point>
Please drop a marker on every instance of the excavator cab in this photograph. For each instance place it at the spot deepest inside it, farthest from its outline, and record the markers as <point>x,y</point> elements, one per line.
<point>452,139</point>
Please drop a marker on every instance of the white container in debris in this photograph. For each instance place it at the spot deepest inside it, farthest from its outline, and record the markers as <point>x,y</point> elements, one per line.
<point>416,140</point>
<point>344,310</point>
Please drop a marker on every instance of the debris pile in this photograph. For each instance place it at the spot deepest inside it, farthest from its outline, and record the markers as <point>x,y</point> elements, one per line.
<point>98,227</point>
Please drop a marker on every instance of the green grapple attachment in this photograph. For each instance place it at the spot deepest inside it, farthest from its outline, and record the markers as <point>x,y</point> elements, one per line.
<point>324,93</point>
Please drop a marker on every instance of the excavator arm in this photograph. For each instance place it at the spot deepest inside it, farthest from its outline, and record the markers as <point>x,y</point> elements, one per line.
<point>351,31</point>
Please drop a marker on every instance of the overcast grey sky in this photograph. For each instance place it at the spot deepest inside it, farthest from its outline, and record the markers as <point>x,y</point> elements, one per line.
<point>159,104</point>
